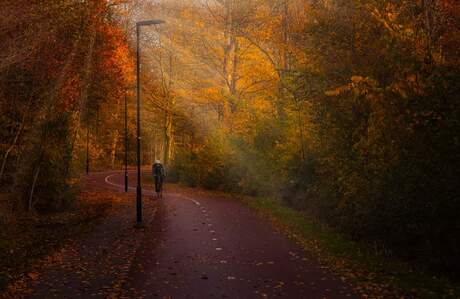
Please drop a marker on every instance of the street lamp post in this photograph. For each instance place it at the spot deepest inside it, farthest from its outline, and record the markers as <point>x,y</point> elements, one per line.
<point>126,143</point>
<point>138,72</point>
<point>87,148</point>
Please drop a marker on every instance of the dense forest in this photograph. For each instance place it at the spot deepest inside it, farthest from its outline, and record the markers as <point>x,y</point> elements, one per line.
<point>345,109</point>
<point>65,71</point>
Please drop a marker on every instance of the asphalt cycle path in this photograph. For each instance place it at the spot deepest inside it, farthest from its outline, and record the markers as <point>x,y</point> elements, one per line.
<point>203,246</point>
<point>194,245</point>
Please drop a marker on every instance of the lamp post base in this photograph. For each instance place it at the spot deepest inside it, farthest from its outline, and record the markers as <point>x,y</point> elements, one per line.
<point>139,205</point>
<point>139,225</point>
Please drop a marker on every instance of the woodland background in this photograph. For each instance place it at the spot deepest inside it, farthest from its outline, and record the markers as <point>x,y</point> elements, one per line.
<point>347,110</point>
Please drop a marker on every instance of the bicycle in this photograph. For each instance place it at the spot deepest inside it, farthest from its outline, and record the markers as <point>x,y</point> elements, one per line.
<point>159,187</point>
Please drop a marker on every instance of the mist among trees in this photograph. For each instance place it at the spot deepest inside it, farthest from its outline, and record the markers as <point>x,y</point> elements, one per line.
<point>347,110</point>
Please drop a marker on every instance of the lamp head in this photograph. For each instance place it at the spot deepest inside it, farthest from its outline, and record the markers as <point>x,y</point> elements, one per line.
<point>149,22</point>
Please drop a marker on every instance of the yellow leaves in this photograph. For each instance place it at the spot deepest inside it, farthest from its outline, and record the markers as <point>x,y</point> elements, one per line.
<point>336,92</point>
<point>392,16</point>
<point>262,105</point>
<point>211,91</point>
<point>400,89</point>
<point>355,82</point>
<point>200,24</point>
<point>357,79</point>
<point>359,86</point>
<point>116,53</point>
<point>412,78</point>
<point>333,93</point>
<point>186,14</point>
<point>33,275</point>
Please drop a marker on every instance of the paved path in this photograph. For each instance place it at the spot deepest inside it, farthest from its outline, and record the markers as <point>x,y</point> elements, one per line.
<point>205,247</point>
<point>195,246</point>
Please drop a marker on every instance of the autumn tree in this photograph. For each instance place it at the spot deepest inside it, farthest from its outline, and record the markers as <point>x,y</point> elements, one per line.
<point>48,92</point>
<point>344,108</point>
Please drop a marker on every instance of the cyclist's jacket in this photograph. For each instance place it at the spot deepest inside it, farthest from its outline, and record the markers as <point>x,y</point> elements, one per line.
<point>158,170</point>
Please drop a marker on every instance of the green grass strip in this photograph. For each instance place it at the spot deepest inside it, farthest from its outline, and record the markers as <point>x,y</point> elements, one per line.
<point>371,274</point>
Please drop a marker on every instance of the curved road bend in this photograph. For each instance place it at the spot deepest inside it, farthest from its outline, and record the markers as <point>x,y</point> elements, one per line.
<point>207,247</point>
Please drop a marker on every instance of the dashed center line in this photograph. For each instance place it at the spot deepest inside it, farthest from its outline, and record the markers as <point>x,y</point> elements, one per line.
<point>108,181</point>
<point>195,201</point>
<point>191,199</point>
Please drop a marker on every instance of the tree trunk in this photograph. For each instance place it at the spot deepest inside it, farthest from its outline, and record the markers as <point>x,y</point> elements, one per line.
<point>32,189</point>
<point>50,104</point>
<point>13,144</point>
<point>429,11</point>
<point>229,62</point>
<point>113,149</point>
<point>169,137</point>
<point>284,63</point>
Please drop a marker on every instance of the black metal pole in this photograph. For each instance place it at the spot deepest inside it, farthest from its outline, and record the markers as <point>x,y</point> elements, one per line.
<point>139,187</point>
<point>126,143</point>
<point>87,149</point>
<point>138,73</point>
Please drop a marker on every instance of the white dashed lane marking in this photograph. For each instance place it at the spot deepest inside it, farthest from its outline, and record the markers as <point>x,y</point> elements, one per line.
<point>196,202</point>
<point>107,180</point>
<point>203,210</point>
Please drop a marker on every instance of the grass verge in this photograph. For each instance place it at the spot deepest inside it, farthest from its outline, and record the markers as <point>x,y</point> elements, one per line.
<point>373,275</point>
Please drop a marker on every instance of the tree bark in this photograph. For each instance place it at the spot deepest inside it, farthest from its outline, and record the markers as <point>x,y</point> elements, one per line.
<point>13,144</point>
<point>32,189</point>
<point>113,150</point>
<point>49,104</point>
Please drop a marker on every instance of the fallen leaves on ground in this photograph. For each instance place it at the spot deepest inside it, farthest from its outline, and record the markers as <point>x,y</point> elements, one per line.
<point>32,242</point>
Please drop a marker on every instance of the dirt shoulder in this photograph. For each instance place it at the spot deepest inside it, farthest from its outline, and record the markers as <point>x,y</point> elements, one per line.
<point>31,244</point>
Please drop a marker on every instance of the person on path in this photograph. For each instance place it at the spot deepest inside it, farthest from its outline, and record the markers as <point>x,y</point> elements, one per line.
<point>158,173</point>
